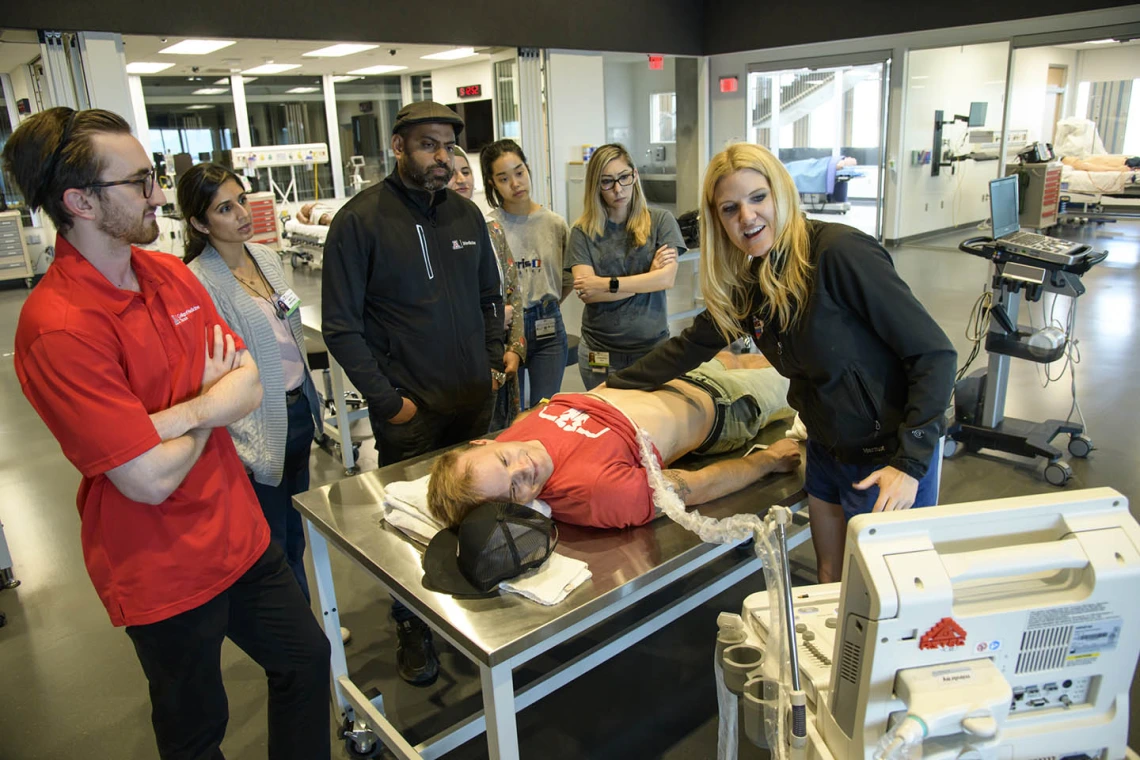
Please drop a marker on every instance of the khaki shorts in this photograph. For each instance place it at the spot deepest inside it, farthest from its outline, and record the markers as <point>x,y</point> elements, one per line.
<point>746,400</point>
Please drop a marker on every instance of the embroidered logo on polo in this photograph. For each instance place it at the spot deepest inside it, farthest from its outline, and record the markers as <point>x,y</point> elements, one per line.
<point>184,316</point>
<point>572,421</point>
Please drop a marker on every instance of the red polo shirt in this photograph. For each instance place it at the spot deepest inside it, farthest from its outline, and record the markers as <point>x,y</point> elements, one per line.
<point>96,361</point>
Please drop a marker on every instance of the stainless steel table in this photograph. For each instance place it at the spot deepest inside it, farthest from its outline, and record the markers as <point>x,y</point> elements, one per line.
<point>338,425</point>
<point>506,631</point>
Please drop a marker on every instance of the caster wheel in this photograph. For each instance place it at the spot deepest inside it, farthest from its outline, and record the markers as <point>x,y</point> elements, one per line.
<point>950,447</point>
<point>1080,445</point>
<point>352,749</point>
<point>1058,473</point>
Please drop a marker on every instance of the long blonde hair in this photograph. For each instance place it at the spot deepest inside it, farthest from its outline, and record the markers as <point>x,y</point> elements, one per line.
<point>784,275</point>
<point>593,219</point>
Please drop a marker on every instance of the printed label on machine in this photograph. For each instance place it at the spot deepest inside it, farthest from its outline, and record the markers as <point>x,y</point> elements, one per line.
<point>1074,615</point>
<point>1096,637</point>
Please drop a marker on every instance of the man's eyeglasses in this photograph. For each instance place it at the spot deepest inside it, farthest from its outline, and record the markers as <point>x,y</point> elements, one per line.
<point>146,182</point>
<point>625,180</point>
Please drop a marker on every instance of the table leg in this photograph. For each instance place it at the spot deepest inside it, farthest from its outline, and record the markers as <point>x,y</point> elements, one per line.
<point>343,424</point>
<point>330,614</point>
<point>499,709</point>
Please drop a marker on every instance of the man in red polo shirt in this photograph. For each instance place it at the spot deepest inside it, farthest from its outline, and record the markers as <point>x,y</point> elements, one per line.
<point>124,357</point>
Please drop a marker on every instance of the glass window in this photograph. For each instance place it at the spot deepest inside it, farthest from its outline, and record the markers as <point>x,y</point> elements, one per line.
<point>663,117</point>
<point>290,110</point>
<point>366,110</point>
<point>193,115</point>
<point>507,100</point>
<point>9,192</point>
<point>421,87</point>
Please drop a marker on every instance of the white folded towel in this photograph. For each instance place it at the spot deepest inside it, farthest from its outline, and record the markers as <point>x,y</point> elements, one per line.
<point>550,582</point>
<point>405,507</point>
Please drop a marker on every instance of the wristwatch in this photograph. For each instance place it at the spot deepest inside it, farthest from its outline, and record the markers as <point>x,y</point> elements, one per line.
<point>613,285</point>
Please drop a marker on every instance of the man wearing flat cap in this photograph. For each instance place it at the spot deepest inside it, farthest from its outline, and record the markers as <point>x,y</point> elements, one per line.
<point>412,310</point>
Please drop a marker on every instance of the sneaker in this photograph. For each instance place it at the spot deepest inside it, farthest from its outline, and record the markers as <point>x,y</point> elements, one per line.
<point>416,659</point>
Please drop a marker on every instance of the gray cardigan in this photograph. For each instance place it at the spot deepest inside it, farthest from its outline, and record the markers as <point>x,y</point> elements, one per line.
<point>260,437</point>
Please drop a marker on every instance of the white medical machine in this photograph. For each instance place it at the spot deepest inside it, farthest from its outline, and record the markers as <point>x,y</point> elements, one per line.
<point>992,630</point>
<point>250,160</point>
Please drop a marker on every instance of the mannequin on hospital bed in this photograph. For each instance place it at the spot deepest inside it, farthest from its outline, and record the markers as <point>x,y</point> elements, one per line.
<point>315,213</point>
<point>580,453</point>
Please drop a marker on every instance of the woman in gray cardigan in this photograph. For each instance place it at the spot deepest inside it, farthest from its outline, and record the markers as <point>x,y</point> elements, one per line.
<point>247,283</point>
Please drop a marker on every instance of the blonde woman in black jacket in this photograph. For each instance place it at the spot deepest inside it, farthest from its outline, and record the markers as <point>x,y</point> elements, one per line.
<point>870,370</point>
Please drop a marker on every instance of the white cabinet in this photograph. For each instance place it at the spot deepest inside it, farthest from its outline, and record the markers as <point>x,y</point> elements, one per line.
<point>15,263</point>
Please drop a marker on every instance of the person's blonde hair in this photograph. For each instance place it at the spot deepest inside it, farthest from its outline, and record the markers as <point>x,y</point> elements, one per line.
<point>451,488</point>
<point>784,275</point>
<point>593,219</point>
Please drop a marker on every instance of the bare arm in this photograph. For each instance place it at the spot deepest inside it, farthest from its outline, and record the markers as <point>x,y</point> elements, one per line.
<point>598,289</point>
<point>661,276</point>
<point>731,475</point>
<point>151,477</point>
<point>232,389</point>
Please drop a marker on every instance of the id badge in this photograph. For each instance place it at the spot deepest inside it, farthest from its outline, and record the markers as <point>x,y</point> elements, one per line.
<point>544,328</point>
<point>599,359</point>
<point>287,302</point>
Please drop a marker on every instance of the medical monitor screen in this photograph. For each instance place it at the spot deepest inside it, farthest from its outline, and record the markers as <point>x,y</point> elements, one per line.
<point>977,114</point>
<point>1003,206</point>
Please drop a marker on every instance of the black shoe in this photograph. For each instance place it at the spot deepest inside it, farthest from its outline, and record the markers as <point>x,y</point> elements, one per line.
<point>416,658</point>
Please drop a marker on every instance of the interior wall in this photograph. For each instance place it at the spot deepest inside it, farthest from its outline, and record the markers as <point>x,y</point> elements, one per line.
<point>1030,107</point>
<point>948,79</point>
<point>644,84</point>
<point>1109,64</point>
<point>576,114</point>
<point>444,82</point>
<point>618,77</point>
<point>727,115</point>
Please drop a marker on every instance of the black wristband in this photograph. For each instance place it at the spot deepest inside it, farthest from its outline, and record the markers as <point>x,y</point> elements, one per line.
<point>613,284</point>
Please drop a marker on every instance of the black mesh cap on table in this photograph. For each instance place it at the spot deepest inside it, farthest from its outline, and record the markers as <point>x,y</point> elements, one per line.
<point>496,541</point>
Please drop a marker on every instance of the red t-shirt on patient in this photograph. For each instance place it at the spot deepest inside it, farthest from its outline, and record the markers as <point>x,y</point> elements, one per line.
<point>598,478</point>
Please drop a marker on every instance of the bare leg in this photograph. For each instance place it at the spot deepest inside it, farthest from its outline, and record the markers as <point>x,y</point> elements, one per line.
<point>828,535</point>
<point>742,361</point>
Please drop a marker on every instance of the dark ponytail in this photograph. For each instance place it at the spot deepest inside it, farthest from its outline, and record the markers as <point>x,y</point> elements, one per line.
<point>196,190</point>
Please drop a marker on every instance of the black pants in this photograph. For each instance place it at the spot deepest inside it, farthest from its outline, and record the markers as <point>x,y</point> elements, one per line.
<point>428,431</point>
<point>266,615</point>
<point>285,525</point>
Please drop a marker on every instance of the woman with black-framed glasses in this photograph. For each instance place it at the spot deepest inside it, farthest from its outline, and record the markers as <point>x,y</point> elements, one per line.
<point>623,256</point>
<point>248,286</point>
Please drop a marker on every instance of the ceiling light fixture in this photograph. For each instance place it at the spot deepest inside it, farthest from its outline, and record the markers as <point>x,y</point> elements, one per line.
<point>272,68</point>
<point>339,50</point>
<point>147,67</point>
<point>343,78</point>
<point>196,47</point>
<point>226,80</point>
<point>211,91</point>
<point>303,90</point>
<point>450,55</point>
<point>382,69</point>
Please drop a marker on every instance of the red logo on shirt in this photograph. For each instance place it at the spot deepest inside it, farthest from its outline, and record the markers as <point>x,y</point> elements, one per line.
<point>183,316</point>
<point>572,421</point>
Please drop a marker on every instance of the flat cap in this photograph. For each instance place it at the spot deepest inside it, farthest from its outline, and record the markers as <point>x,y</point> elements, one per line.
<point>427,112</point>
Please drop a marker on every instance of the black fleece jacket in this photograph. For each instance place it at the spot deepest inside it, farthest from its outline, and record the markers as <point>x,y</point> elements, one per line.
<point>871,371</point>
<point>411,300</point>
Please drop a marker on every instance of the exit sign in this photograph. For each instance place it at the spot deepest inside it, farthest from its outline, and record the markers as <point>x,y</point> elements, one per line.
<point>469,91</point>
<point>656,62</point>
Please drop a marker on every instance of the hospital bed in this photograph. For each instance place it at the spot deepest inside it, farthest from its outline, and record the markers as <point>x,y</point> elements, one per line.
<point>822,185</point>
<point>306,242</point>
<point>505,632</point>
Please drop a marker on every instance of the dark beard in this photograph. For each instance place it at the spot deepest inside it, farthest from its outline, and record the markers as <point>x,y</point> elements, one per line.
<point>423,178</point>
<point>137,231</point>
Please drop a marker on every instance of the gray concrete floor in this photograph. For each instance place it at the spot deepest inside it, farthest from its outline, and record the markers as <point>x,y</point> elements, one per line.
<point>70,684</point>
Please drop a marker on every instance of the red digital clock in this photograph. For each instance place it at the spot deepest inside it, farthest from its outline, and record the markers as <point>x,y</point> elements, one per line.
<point>469,91</point>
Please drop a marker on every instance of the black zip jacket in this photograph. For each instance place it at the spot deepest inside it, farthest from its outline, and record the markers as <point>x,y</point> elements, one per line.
<point>411,302</point>
<point>871,371</point>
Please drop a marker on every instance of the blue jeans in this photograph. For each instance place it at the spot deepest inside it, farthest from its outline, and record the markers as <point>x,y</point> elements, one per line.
<point>540,376</point>
<point>828,479</point>
<point>285,526</point>
<point>592,377</point>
